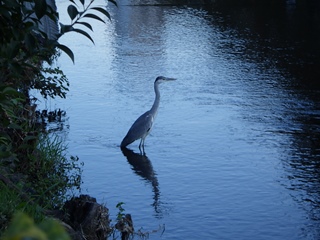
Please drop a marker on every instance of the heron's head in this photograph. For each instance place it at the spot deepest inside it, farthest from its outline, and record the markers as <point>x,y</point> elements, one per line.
<point>162,79</point>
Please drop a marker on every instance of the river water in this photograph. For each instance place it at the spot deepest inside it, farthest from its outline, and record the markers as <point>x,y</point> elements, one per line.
<point>234,153</point>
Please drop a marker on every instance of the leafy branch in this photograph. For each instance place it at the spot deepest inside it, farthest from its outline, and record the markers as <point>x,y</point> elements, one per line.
<point>78,17</point>
<point>120,214</point>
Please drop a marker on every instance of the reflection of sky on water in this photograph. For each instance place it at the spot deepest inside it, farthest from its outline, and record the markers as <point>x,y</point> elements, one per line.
<point>235,145</point>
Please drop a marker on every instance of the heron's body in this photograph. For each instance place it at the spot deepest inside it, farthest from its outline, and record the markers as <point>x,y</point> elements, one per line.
<point>142,126</point>
<point>139,129</point>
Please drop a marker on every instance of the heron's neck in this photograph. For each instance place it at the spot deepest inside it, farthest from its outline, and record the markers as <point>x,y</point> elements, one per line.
<point>156,103</point>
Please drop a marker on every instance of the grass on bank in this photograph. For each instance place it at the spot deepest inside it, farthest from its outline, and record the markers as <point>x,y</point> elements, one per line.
<point>41,181</point>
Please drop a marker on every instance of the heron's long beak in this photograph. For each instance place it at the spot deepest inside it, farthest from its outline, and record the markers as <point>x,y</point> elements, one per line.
<point>170,79</point>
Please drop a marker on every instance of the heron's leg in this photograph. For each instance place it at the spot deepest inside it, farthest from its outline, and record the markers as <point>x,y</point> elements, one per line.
<point>142,152</point>
<point>143,146</point>
<point>140,143</point>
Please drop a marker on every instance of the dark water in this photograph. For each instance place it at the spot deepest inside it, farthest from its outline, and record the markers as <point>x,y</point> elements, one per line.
<point>234,153</point>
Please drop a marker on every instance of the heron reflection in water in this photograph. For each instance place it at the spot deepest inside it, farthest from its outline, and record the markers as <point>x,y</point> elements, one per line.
<point>142,126</point>
<point>141,165</point>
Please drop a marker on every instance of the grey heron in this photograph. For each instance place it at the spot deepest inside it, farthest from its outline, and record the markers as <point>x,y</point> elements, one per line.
<point>142,126</point>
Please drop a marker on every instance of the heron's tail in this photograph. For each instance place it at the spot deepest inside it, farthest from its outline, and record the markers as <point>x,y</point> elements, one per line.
<point>125,142</point>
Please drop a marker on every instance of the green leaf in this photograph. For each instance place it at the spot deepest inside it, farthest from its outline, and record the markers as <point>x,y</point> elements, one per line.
<point>53,229</point>
<point>73,2</point>
<point>85,24</point>
<point>13,49</point>
<point>40,8</point>
<point>24,227</point>
<point>66,50</point>
<point>14,126</point>
<point>65,28</point>
<point>83,33</point>
<point>119,204</point>
<point>10,90</point>
<point>28,138</point>
<point>90,15</point>
<point>103,11</point>
<point>30,41</point>
<point>72,11</point>
<point>114,2</point>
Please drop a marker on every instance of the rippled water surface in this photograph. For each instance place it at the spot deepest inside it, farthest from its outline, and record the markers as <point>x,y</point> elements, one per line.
<point>234,153</point>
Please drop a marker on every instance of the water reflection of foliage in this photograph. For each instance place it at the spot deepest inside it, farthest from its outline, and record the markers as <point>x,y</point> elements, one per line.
<point>52,121</point>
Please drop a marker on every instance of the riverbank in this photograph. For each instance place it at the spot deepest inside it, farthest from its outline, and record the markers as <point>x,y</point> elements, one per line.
<point>37,177</point>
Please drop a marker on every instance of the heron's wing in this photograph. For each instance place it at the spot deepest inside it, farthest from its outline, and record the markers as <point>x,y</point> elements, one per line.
<point>140,128</point>
<point>142,125</point>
